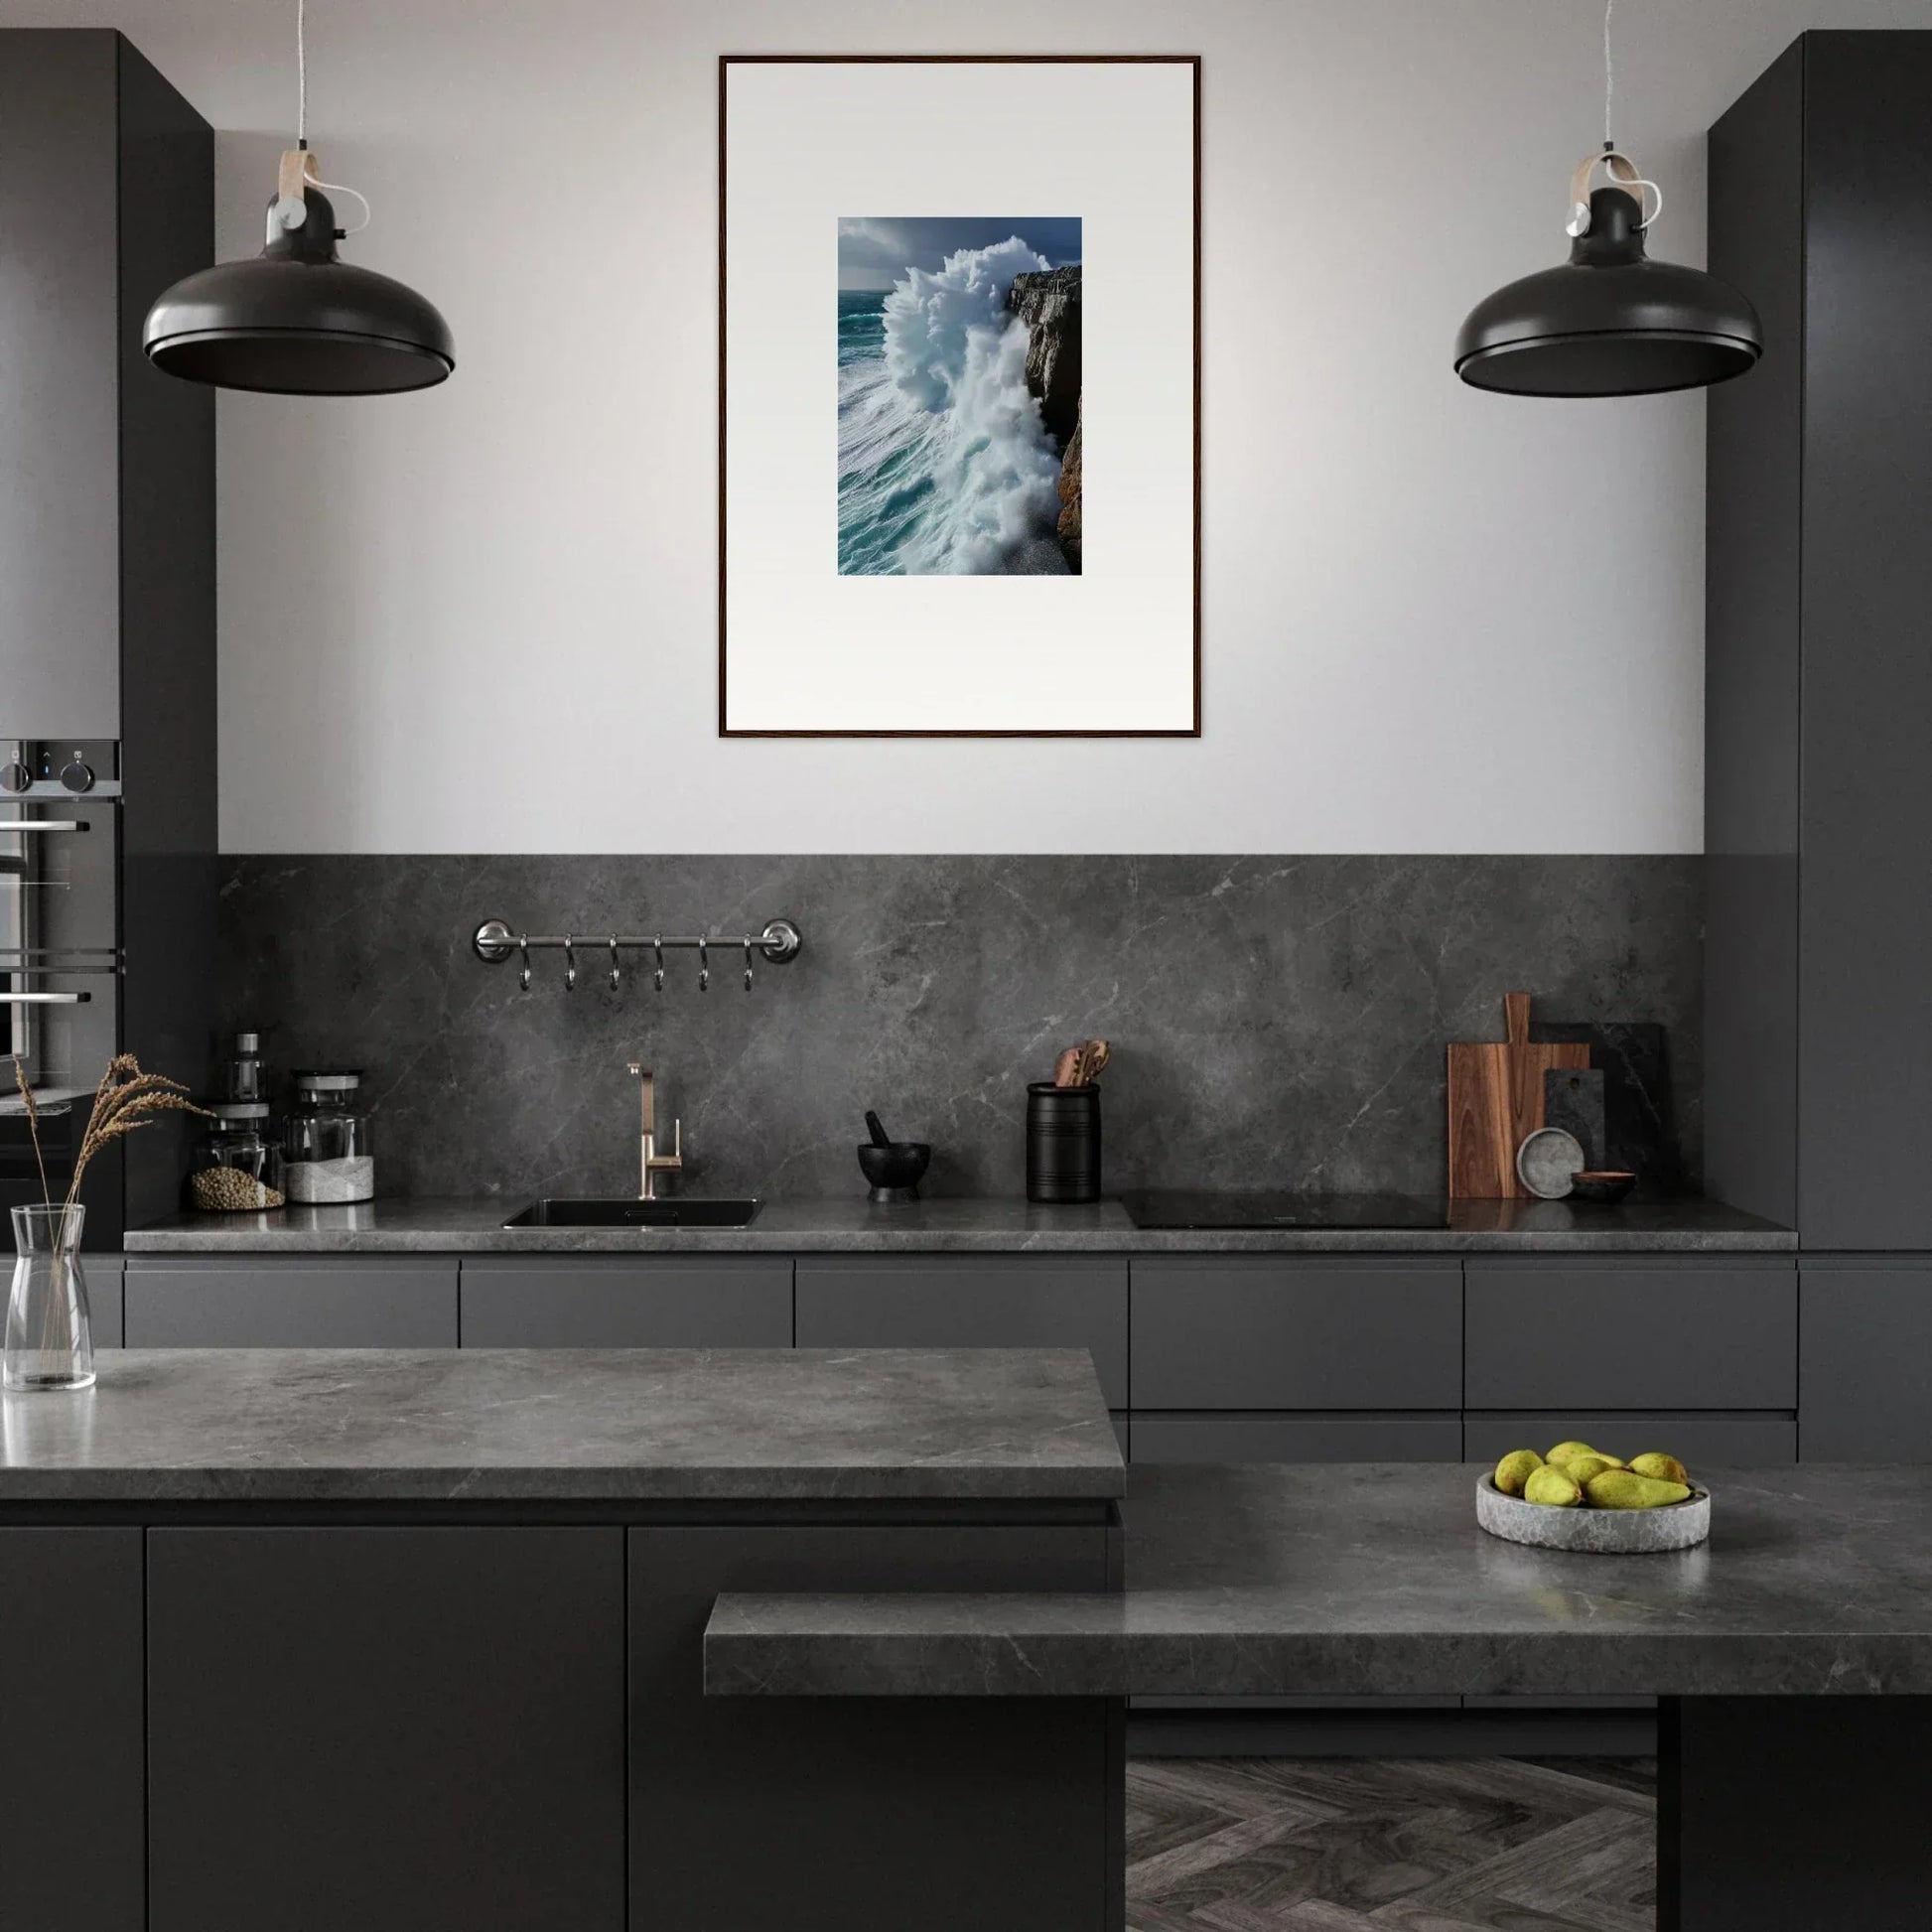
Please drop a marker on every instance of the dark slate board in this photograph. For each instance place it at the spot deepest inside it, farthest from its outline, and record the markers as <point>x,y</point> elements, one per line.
<point>1639,1122</point>
<point>1572,1099</point>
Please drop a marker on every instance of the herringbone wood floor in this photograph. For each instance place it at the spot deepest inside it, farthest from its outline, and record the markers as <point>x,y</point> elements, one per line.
<point>1391,1845</point>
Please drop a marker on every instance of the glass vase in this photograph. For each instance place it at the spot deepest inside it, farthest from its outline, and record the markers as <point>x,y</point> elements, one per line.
<point>50,1337</point>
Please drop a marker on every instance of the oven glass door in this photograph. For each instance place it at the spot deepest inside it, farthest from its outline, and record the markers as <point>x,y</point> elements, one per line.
<point>59,975</point>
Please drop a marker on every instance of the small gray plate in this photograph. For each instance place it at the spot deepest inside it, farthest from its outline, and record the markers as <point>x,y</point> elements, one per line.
<point>1546,1160</point>
<point>1597,1532</point>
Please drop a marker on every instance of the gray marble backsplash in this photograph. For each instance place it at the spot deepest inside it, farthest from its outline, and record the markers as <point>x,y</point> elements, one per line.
<point>1276,1022</point>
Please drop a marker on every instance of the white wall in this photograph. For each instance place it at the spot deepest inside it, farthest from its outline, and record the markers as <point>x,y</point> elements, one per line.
<point>483,619</point>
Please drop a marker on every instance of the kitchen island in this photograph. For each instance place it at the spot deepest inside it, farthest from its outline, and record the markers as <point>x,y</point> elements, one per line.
<point>413,1640</point>
<point>1793,1651</point>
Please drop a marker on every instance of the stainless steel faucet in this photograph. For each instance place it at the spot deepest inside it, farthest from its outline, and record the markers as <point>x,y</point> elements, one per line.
<point>650,1164</point>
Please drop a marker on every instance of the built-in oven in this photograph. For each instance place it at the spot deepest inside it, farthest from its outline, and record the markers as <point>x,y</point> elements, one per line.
<point>61,956</point>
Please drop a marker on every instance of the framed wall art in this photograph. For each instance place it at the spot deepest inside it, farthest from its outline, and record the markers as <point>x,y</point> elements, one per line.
<point>953,293</point>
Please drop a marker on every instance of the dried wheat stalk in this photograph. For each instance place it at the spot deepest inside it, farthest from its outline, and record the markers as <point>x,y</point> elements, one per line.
<point>33,1125</point>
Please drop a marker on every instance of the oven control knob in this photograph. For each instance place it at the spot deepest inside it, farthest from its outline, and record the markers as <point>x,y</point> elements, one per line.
<point>77,777</point>
<point>15,777</point>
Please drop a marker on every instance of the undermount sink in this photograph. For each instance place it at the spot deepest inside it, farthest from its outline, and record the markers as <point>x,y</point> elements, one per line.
<point>634,1213</point>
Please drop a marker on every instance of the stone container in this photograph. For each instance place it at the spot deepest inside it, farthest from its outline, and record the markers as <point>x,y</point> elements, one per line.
<point>1600,1532</point>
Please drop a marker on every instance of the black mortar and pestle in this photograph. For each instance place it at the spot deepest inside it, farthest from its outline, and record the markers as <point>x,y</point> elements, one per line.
<point>893,1167</point>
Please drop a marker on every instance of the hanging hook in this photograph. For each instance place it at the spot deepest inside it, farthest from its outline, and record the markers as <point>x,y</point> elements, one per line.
<point>616,972</point>
<point>704,966</point>
<point>747,965</point>
<point>523,946</point>
<point>570,962</point>
<point>657,946</point>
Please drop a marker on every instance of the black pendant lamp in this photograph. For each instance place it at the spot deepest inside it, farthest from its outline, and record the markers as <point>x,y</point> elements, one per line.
<point>1608,322</point>
<point>297,321</point>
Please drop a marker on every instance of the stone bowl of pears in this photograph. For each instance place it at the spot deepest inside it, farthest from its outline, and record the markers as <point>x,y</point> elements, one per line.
<point>1580,1498</point>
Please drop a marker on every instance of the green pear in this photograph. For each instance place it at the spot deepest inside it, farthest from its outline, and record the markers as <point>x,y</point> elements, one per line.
<point>1624,1490</point>
<point>1565,1450</point>
<point>1666,1468</point>
<point>1580,1468</point>
<point>1549,1485</point>
<point>1515,1470</point>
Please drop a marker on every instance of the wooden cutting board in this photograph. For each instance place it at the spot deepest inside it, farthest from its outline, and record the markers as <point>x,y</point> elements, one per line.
<point>1495,1101</point>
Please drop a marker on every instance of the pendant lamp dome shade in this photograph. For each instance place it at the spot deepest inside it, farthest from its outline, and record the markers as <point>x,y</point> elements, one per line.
<point>297,320</point>
<point>1609,321</point>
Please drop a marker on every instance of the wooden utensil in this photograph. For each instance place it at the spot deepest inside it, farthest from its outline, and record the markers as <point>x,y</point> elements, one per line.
<point>1066,1069</point>
<point>1495,1102</point>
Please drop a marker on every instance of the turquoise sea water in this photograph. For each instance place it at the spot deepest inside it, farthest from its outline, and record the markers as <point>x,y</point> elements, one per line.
<point>881,484</point>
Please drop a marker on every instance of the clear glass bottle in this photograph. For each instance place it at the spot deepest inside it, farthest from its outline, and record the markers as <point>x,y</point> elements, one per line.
<point>239,1165</point>
<point>50,1333</point>
<point>242,1077</point>
<point>328,1153</point>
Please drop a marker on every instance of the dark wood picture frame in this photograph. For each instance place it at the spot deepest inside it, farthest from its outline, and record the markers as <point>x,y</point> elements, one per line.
<point>728,61</point>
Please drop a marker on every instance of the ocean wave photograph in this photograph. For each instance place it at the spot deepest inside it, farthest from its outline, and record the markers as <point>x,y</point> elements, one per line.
<point>959,397</point>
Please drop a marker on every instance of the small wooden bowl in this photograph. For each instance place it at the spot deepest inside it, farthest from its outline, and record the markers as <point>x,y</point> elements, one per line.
<point>1604,1186</point>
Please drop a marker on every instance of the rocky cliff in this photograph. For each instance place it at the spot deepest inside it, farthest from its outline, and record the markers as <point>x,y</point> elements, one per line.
<point>1049,303</point>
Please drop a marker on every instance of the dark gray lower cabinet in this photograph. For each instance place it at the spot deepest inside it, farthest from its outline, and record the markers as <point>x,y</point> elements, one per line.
<point>969,1301</point>
<point>1269,1333</point>
<point>396,1729</point>
<point>1297,1438</point>
<point>618,1302</point>
<point>744,1811</point>
<point>1866,1346</point>
<point>1718,1441</point>
<point>1720,1332</point>
<point>73,1831</point>
<point>363,1301</point>
<point>104,1273</point>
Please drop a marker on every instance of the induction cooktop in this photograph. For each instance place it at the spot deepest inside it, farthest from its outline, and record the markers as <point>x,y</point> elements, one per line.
<point>1162,1208</point>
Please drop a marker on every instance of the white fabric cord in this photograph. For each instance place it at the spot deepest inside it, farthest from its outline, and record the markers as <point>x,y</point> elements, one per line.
<point>1609,72</point>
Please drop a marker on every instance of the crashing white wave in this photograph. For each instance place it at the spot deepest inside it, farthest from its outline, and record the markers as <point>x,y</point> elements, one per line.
<point>979,473</point>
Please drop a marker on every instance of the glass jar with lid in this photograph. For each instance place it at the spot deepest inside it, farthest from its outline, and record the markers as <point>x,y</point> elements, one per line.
<point>238,1165</point>
<point>327,1151</point>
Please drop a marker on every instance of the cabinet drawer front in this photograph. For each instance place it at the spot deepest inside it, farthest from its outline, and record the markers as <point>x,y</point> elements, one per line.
<point>1236,1333</point>
<point>376,1303</point>
<point>1632,1336</point>
<point>1738,1442</point>
<point>104,1273</point>
<point>600,1301</point>
<point>1020,1302</point>
<point>1865,1340</point>
<point>397,1730</point>
<point>1297,1438</point>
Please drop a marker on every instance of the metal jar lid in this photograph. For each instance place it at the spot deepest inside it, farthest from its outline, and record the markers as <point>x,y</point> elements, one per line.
<point>341,1079</point>
<point>238,1109</point>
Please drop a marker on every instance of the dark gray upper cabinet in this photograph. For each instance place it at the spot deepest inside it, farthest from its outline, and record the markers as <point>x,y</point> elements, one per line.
<point>107,467</point>
<point>1237,1331</point>
<point>1819,578</point>
<point>616,1301</point>
<point>969,1301</point>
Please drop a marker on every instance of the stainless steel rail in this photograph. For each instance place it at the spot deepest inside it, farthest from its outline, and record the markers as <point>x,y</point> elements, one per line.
<point>494,941</point>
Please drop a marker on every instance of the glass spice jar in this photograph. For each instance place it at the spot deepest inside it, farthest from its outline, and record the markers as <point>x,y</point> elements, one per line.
<point>238,1165</point>
<point>327,1151</point>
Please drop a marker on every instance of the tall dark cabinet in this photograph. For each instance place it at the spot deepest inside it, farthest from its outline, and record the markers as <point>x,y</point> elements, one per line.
<point>1819,711</point>
<point>107,697</point>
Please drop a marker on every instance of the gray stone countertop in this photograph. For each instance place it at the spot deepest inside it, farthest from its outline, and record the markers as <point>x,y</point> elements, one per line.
<point>576,1425</point>
<point>1373,1580</point>
<point>960,1226</point>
